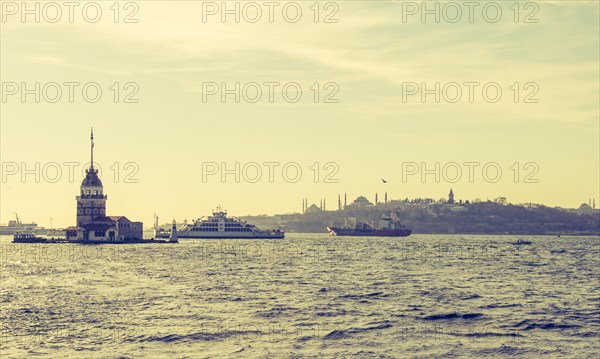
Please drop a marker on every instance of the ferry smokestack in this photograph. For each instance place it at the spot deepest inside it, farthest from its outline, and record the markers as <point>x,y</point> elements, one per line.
<point>173,237</point>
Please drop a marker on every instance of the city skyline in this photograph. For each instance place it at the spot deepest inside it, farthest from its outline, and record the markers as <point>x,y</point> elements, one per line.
<point>48,174</point>
<point>56,221</point>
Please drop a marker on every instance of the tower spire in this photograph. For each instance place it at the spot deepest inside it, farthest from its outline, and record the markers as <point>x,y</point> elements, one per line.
<point>92,149</point>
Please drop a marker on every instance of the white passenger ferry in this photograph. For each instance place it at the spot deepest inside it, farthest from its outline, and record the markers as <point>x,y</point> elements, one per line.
<point>219,226</point>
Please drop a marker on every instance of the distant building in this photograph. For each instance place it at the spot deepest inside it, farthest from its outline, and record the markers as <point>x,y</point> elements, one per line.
<point>585,209</point>
<point>458,208</point>
<point>361,202</point>
<point>313,209</point>
<point>92,222</point>
<point>451,197</point>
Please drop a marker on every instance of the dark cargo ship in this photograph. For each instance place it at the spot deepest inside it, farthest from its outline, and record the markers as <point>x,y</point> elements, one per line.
<point>388,227</point>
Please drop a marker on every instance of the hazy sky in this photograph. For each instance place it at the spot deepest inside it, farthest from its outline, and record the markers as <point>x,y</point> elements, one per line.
<point>370,53</point>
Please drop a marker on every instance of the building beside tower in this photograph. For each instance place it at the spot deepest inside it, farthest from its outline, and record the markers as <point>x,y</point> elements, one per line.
<point>92,221</point>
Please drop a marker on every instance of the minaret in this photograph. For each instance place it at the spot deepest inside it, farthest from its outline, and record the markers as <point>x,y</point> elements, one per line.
<point>339,203</point>
<point>155,225</point>
<point>385,199</point>
<point>345,201</point>
<point>376,199</point>
<point>91,203</point>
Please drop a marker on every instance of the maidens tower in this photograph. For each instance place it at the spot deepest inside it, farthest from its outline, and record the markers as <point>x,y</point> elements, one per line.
<point>91,203</point>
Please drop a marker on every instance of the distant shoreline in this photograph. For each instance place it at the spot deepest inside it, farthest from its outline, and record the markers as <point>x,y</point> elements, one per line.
<point>148,230</point>
<point>486,234</point>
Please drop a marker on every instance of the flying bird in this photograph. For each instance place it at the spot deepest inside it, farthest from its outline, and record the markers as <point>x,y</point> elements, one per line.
<point>384,181</point>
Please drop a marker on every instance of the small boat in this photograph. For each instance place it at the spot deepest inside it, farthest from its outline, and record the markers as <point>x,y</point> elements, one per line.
<point>521,241</point>
<point>28,238</point>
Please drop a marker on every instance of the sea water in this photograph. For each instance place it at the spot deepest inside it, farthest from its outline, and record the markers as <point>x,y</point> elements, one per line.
<point>308,295</point>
